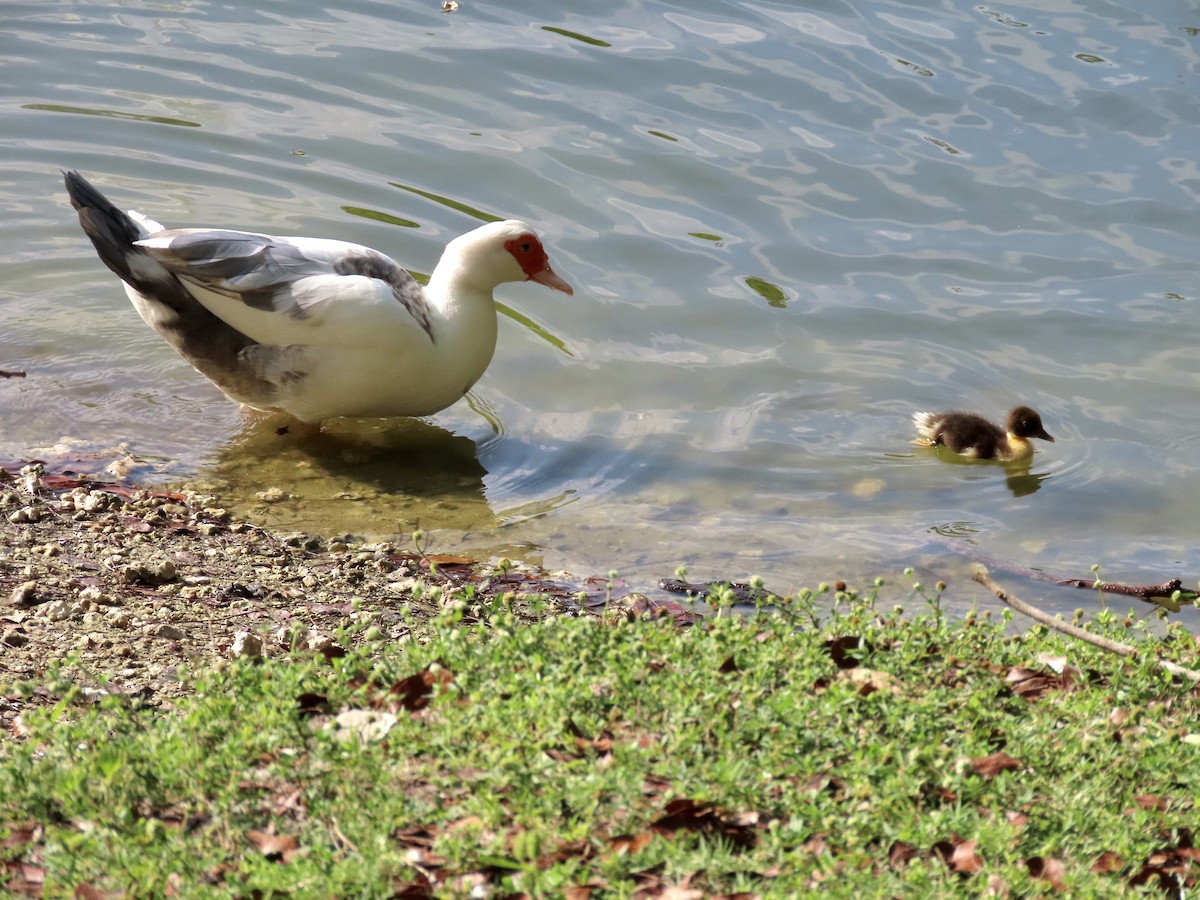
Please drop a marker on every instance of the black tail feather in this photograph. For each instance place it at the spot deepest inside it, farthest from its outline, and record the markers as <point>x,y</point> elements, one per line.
<point>111,231</point>
<point>209,343</point>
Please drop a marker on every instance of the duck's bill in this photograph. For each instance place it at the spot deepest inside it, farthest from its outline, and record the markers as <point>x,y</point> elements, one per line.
<point>1045,435</point>
<point>550,279</point>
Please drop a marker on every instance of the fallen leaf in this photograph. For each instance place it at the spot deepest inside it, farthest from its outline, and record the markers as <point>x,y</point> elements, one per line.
<point>1027,683</point>
<point>311,704</point>
<point>450,559</point>
<point>993,765</point>
<point>91,892</point>
<point>821,781</point>
<point>1151,801</point>
<point>1107,862</point>
<point>20,835</point>
<point>413,693</point>
<point>1057,663</point>
<point>958,855</point>
<point>964,858</point>
<point>419,888</point>
<point>900,853</point>
<point>275,847</point>
<point>842,650</point>
<point>1047,869</point>
<point>684,814</point>
<point>630,843</point>
<point>653,785</point>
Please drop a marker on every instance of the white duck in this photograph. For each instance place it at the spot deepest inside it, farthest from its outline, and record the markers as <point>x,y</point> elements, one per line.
<point>312,327</point>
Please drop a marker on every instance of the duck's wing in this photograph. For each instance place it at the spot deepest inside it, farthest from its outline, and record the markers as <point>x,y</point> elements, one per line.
<point>285,290</point>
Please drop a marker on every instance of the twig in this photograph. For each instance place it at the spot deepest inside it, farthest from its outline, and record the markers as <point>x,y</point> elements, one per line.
<point>12,373</point>
<point>1144,591</point>
<point>1074,631</point>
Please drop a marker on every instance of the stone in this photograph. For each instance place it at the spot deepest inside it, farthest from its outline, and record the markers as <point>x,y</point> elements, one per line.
<point>26,595</point>
<point>246,645</point>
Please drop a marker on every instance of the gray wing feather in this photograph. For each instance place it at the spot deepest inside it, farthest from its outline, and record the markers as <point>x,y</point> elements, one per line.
<point>261,270</point>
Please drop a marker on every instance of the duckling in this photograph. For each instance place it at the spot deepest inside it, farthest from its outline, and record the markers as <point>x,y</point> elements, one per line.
<point>970,435</point>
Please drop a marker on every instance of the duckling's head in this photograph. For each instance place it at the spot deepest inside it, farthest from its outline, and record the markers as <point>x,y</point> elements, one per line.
<point>1025,423</point>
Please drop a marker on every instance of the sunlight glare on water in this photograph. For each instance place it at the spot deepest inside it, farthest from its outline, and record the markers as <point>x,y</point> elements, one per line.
<point>788,228</point>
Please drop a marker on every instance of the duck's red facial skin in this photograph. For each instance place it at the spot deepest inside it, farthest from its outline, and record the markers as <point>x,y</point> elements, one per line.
<point>531,256</point>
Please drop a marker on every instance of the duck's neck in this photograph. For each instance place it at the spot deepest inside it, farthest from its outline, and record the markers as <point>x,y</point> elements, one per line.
<point>1018,447</point>
<point>464,316</point>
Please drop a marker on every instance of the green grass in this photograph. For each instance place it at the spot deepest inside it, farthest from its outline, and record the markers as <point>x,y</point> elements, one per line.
<point>616,754</point>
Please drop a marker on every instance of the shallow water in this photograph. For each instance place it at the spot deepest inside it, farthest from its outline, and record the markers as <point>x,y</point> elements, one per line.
<point>788,227</point>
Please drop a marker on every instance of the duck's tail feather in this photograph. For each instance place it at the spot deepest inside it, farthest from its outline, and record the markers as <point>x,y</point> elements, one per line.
<point>113,233</point>
<point>211,345</point>
<point>926,424</point>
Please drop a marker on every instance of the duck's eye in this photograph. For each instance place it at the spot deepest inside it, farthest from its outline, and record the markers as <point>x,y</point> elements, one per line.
<point>526,246</point>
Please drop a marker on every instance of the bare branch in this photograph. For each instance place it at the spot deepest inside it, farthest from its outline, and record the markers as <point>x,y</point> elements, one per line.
<point>1074,631</point>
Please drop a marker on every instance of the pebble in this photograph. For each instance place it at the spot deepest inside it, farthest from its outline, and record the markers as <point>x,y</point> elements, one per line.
<point>25,595</point>
<point>167,632</point>
<point>154,572</point>
<point>246,645</point>
<point>58,610</point>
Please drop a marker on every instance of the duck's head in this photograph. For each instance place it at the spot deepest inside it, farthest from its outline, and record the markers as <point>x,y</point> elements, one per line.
<point>1025,423</point>
<point>500,252</point>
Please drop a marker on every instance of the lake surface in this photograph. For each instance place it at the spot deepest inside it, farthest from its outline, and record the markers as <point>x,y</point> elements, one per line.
<point>789,225</point>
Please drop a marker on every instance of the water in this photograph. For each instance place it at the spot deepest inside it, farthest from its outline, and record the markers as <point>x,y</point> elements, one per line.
<point>788,226</point>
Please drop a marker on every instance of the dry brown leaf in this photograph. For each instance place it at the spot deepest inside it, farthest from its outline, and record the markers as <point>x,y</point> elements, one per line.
<point>19,835</point>
<point>275,847</point>
<point>1027,683</point>
<point>1016,819</point>
<point>1107,862</point>
<point>630,843</point>
<point>91,892</point>
<point>964,858</point>
<point>684,814</point>
<point>1057,663</point>
<point>993,765</point>
<point>1047,869</point>
<point>900,853</point>
<point>451,559</point>
<point>845,650</point>
<point>413,693</point>
<point>958,855</point>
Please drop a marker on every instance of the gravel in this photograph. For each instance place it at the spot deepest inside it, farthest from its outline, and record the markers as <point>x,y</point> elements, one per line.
<point>126,587</point>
